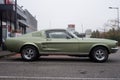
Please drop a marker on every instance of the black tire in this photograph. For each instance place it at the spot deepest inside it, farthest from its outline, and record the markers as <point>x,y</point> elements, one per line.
<point>99,54</point>
<point>29,53</point>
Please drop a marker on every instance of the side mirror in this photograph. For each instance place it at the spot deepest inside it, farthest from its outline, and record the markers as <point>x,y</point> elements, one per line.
<point>48,39</point>
<point>67,37</point>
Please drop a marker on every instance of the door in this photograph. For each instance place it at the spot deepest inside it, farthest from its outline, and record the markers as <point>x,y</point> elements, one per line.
<point>60,41</point>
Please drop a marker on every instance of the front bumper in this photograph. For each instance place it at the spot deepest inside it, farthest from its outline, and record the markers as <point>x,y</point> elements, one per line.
<point>114,50</point>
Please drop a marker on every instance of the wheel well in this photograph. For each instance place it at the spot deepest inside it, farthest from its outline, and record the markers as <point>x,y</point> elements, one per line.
<point>99,46</point>
<point>28,45</point>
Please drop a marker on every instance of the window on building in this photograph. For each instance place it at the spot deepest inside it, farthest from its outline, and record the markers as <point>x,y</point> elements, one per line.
<point>2,2</point>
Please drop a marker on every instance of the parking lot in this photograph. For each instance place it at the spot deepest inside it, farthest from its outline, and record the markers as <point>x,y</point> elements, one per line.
<point>59,68</point>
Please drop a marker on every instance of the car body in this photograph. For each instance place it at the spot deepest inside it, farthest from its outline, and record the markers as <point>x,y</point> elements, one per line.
<point>60,41</point>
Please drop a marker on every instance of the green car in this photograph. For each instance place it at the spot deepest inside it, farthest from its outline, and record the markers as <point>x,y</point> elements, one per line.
<point>60,42</point>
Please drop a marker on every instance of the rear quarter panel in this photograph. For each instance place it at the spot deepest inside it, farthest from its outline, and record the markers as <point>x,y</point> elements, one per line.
<point>15,44</point>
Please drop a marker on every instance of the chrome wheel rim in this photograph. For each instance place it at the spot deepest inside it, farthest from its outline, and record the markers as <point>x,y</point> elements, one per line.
<point>100,55</point>
<point>28,53</point>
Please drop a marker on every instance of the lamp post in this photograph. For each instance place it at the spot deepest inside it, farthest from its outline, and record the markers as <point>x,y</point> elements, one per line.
<point>15,15</point>
<point>1,29</point>
<point>117,8</point>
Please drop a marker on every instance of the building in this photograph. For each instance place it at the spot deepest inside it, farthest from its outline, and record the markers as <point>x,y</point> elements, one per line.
<point>31,21</point>
<point>88,33</point>
<point>14,20</point>
<point>71,27</point>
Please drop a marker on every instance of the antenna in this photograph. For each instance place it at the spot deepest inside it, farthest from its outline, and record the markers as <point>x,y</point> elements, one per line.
<point>82,30</point>
<point>50,24</point>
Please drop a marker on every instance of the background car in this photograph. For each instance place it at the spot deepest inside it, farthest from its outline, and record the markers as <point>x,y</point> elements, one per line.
<point>59,41</point>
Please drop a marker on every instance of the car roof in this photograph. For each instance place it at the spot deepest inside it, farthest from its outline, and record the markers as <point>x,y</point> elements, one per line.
<point>49,30</point>
<point>55,30</point>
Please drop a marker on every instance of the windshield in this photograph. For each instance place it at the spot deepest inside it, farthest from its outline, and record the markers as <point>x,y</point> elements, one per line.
<point>73,34</point>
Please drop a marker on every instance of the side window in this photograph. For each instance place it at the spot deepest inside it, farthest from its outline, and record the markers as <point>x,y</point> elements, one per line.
<point>58,35</point>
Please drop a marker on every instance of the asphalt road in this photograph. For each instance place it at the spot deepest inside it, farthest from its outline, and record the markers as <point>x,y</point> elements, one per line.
<point>60,68</point>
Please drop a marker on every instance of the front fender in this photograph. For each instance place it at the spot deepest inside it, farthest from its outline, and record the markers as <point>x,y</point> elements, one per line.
<point>95,45</point>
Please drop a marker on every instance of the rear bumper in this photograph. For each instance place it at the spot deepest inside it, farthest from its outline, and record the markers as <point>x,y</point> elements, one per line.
<point>3,46</point>
<point>114,50</point>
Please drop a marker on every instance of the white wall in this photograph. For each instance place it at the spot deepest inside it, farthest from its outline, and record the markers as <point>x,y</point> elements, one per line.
<point>1,1</point>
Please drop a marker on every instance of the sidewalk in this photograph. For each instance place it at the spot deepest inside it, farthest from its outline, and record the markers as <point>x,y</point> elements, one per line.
<point>5,53</point>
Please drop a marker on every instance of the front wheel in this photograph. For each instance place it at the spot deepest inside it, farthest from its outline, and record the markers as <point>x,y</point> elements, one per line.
<point>29,53</point>
<point>99,54</point>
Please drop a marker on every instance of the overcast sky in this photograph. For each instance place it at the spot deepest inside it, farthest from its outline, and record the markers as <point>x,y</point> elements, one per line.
<point>92,14</point>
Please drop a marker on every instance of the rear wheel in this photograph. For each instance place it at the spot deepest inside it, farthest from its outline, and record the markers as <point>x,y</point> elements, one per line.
<point>99,54</point>
<point>29,53</point>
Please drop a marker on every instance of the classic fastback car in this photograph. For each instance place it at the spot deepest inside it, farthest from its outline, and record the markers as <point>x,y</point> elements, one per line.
<point>60,41</point>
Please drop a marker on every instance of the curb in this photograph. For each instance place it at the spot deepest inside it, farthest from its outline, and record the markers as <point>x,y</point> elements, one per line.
<point>7,55</point>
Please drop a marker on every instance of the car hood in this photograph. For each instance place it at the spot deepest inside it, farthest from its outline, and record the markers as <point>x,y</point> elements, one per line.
<point>98,40</point>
